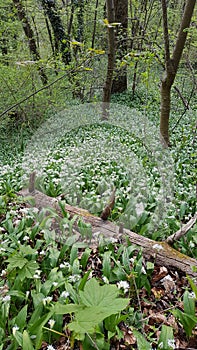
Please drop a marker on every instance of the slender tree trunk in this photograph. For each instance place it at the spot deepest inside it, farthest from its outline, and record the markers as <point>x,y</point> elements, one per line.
<point>171,65</point>
<point>95,19</point>
<point>121,16</point>
<point>58,29</point>
<point>111,59</point>
<point>30,36</point>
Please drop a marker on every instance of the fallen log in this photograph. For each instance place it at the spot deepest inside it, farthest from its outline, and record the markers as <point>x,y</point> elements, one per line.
<point>162,253</point>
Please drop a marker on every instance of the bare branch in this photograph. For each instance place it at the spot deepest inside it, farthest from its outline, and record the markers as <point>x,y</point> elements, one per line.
<point>183,230</point>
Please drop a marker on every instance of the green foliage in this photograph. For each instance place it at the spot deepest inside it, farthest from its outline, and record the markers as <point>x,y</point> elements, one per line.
<point>187,317</point>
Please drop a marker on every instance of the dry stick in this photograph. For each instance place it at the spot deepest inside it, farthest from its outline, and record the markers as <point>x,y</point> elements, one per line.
<point>183,230</point>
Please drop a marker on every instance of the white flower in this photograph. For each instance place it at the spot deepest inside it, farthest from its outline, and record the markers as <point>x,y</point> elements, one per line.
<point>74,278</point>
<point>37,274</point>
<point>64,265</point>
<point>25,238</point>
<point>55,284</point>
<point>6,298</point>
<point>64,294</point>
<point>24,210</point>
<point>171,343</point>
<point>42,252</point>
<point>124,285</point>
<point>46,300</point>
<point>192,295</point>
<point>51,323</point>
<point>50,347</point>
<point>17,222</point>
<point>105,280</point>
<point>3,273</point>
<point>143,270</point>
<point>14,329</point>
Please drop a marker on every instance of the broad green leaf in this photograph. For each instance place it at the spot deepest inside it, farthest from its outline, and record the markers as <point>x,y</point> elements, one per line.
<point>16,261</point>
<point>61,309</point>
<point>17,293</point>
<point>21,317</point>
<point>96,295</point>
<point>19,337</point>
<point>27,250</point>
<point>166,338</point>
<point>27,344</point>
<point>36,314</point>
<point>28,270</point>
<point>189,304</point>
<point>142,343</point>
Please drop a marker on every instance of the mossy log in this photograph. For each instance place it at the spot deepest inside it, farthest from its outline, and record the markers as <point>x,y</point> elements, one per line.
<point>162,253</point>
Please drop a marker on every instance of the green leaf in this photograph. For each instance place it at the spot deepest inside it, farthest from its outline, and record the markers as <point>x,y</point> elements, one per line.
<point>166,339</point>
<point>36,314</point>
<point>84,280</point>
<point>73,254</point>
<point>19,337</point>
<point>27,344</point>
<point>16,261</point>
<point>21,317</point>
<point>61,309</point>
<point>193,286</point>
<point>27,250</point>
<point>85,257</point>
<point>189,304</point>
<point>28,270</point>
<point>107,264</point>
<point>142,343</point>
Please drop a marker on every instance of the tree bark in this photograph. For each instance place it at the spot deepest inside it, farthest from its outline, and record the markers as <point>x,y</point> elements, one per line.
<point>172,64</point>
<point>61,38</point>
<point>111,59</point>
<point>121,16</point>
<point>30,36</point>
<point>161,252</point>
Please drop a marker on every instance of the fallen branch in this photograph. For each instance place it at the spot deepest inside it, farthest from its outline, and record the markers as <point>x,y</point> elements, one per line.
<point>161,252</point>
<point>182,231</point>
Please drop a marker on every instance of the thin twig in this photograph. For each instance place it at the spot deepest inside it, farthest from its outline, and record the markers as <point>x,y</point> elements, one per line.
<point>43,88</point>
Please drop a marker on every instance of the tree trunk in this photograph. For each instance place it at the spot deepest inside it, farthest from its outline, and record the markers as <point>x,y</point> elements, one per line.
<point>171,65</point>
<point>58,29</point>
<point>111,59</point>
<point>30,36</point>
<point>121,16</point>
